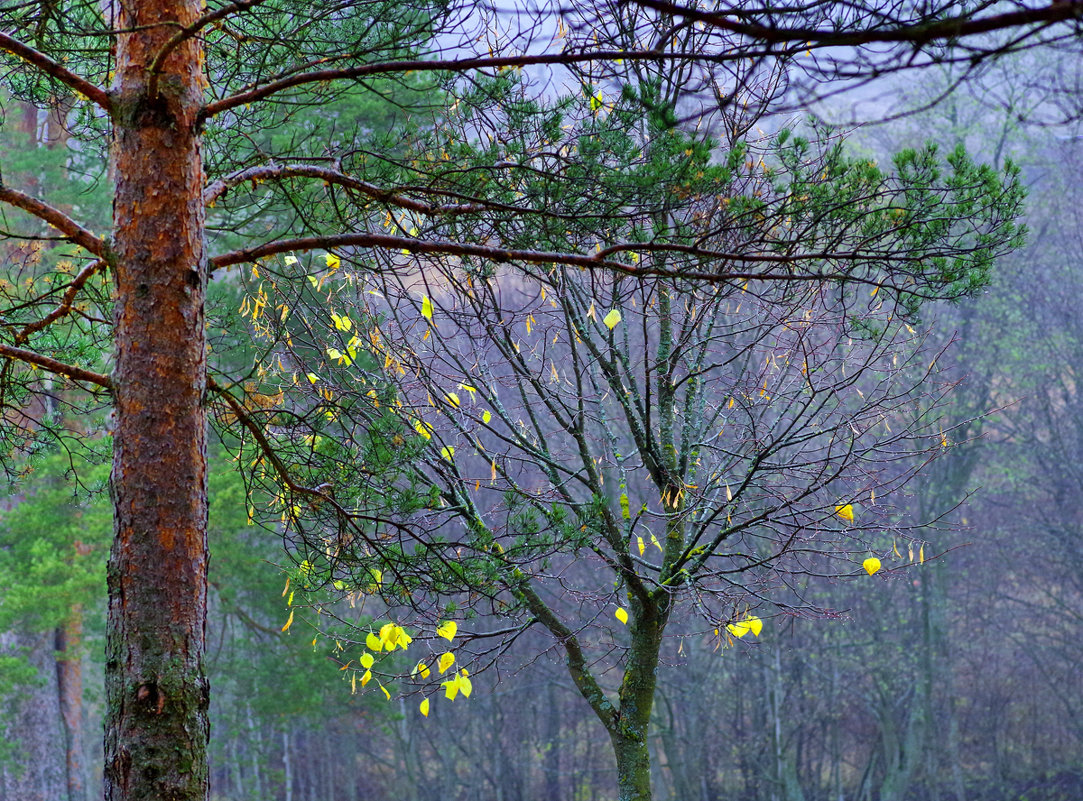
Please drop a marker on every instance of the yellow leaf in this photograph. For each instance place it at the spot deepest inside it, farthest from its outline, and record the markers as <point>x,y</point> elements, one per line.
<point>343,323</point>
<point>871,565</point>
<point>426,308</point>
<point>465,685</point>
<point>739,629</point>
<point>845,512</point>
<point>453,399</point>
<point>366,660</point>
<point>656,543</point>
<point>290,260</point>
<point>421,670</point>
<point>611,319</point>
<point>921,554</point>
<point>447,630</point>
<point>424,707</point>
<point>373,642</point>
<point>486,416</point>
<point>451,688</point>
<point>332,261</point>
<point>755,625</point>
<point>366,678</point>
<point>387,695</point>
<point>642,547</point>
<point>289,622</point>
<point>621,615</point>
<point>447,659</point>
<point>313,378</point>
<point>447,452</point>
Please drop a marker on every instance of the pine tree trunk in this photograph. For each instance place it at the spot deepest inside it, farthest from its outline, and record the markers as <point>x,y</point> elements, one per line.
<point>157,728</point>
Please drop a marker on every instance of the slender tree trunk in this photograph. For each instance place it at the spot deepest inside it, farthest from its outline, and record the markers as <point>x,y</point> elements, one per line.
<point>69,685</point>
<point>628,731</point>
<point>551,760</point>
<point>157,694</point>
<point>29,724</point>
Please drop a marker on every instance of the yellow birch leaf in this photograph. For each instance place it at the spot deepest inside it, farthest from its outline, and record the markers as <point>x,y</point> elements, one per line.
<point>642,547</point>
<point>845,512</point>
<point>366,660</point>
<point>447,659</point>
<point>290,260</point>
<point>611,319</point>
<point>373,642</point>
<point>387,695</point>
<point>426,308</point>
<point>453,399</point>
<point>289,622</point>
<point>366,678</point>
<point>451,688</point>
<point>465,685</point>
<point>486,416</point>
<point>353,683</point>
<point>656,543</point>
<point>492,472</point>
<point>421,670</point>
<point>921,554</point>
<point>739,629</point>
<point>447,630</point>
<point>871,565</point>
<point>621,615</point>
<point>424,707</point>
<point>448,452</point>
<point>755,625</point>
<point>313,378</point>
<point>332,260</point>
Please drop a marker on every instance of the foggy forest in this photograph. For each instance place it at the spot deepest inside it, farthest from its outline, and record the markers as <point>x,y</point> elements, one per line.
<point>621,400</point>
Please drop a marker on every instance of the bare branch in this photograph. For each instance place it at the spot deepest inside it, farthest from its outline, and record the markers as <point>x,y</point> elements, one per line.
<point>456,65</point>
<point>64,307</point>
<point>282,171</point>
<point>57,219</point>
<point>56,70</point>
<point>55,366</point>
<point>919,33</point>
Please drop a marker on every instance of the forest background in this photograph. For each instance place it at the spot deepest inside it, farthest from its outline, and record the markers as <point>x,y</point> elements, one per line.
<point>954,673</point>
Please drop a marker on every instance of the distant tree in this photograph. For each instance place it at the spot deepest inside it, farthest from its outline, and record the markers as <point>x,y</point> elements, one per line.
<point>550,444</point>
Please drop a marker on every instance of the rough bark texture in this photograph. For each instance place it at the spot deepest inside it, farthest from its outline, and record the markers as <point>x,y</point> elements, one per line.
<point>629,731</point>
<point>157,731</point>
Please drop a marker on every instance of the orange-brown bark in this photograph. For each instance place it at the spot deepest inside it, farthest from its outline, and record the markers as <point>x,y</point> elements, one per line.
<point>156,737</point>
